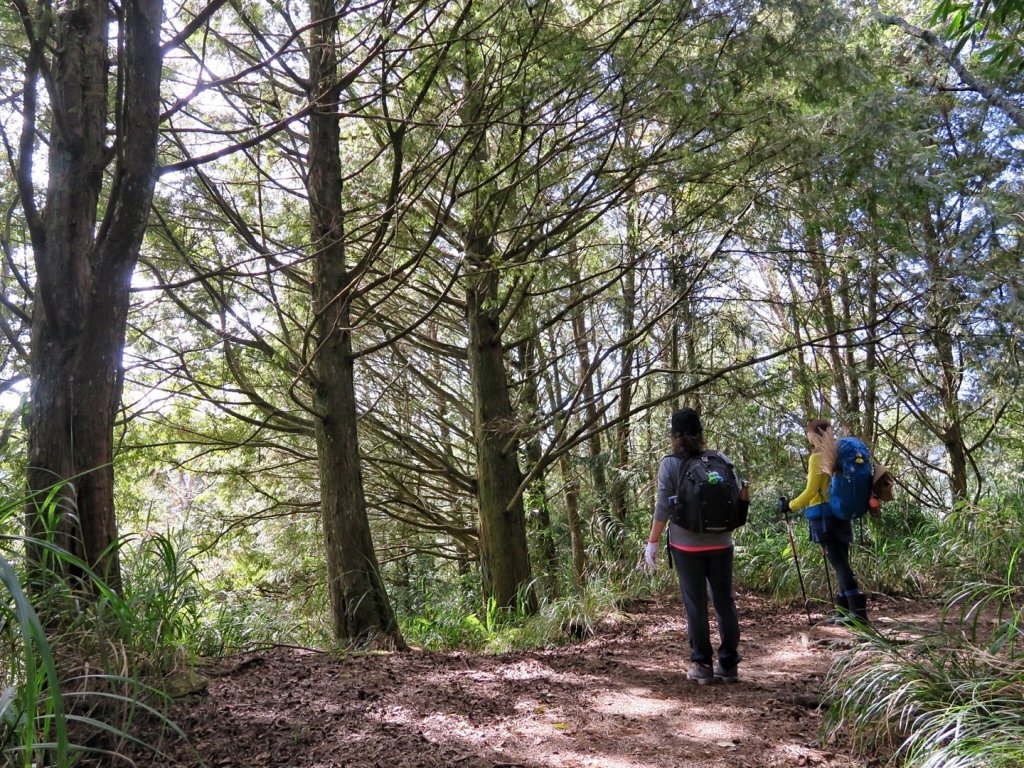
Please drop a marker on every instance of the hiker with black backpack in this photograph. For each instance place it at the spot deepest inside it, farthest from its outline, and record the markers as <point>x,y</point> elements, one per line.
<point>836,493</point>
<point>701,501</point>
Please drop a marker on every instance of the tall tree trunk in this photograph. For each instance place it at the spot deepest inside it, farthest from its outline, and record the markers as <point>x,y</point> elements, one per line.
<point>850,368</point>
<point>83,272</point>
<point>360,609</point>
<point>942,312</point>
<point>871,356</point>
<point>951,434</point>
<point>570,485</point>
<point>824,300</point>
<point>682,352</point>
<point>803,377</point>
<point>611,530</point>
<point>529,371</point>
<point>504,556</point>
<point>620,481</point>
<point>674,269</point>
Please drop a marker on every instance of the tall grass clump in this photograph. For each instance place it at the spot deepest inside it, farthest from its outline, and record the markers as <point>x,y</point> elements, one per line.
<point>949,696</point>
<point>442,613</point>
<point>81,662</point>
<point>33,721</point>
<point>582,610</point>
<point>906,551</point>
<point>158,612</point>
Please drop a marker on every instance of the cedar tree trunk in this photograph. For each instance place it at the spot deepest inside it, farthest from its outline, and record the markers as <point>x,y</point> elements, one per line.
<point>504,557</point>
<point>83,265</point>
<point>360,610</point>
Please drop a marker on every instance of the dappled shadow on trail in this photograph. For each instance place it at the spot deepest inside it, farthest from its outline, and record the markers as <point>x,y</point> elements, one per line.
<point>619,700</point>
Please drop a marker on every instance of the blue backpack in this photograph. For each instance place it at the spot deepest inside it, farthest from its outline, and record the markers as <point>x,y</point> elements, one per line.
<point>852,476</point>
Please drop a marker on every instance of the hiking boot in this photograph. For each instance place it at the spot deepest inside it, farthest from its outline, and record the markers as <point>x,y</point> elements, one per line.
<point>702,674</point>
<point>858,610</point>
<point>840,612</point>
<point>838,619</point>
<point>726,674</point>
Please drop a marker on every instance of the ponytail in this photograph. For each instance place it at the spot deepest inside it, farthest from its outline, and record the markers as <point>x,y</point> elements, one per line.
<point>820,433</point>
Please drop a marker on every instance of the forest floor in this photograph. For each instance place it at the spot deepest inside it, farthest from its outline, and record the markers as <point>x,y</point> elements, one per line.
<point>617,700</point>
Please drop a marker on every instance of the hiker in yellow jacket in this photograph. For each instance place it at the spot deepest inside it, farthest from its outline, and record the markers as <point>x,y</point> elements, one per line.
<point>834,535</point>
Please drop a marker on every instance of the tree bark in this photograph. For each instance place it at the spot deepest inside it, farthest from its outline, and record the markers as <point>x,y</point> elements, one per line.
<point>952,434</point>
<point>529,370</point>
<point>825,301</point>
<point>570,485</point>
<point>504,556</point>
<point>871,357</point>
<point>610,530</point>
<point>360,610</point>
<point>803,377</point>
<point>620,481</point>
<point>84,266</point>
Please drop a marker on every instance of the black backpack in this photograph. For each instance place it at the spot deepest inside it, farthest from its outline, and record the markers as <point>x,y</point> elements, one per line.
<point>707,496</point>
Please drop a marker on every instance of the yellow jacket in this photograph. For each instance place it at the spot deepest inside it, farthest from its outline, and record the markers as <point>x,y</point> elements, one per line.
<point>816,491</point>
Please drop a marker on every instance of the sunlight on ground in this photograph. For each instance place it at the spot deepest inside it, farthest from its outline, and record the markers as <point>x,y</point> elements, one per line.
<point>520,712</point>
<point>785,658</point>
<point>704,724</point>
<point>790,754</point>
<point>633,702</point>
<point>588,759</point>
<point>553,735</point>
<point>525,670</point>
<point>779,658</point>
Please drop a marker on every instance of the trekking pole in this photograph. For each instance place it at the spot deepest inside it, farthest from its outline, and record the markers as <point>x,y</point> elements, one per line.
<point>792,546</point>
<point>828,579</point>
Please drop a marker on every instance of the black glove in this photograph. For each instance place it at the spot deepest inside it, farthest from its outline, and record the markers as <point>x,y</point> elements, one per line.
<point>783,506</point>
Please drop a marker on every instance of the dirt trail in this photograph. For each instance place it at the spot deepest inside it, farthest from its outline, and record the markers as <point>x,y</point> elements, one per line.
<point>619,700</point>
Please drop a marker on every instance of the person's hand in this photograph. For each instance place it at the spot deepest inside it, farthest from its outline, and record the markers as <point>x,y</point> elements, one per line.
<point>783,506</point>
<point>650,551</point>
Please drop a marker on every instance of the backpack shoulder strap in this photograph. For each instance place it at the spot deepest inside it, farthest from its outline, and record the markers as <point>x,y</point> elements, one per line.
<point>720,455</point>
<point>683,459</point>
<point>684,462</point>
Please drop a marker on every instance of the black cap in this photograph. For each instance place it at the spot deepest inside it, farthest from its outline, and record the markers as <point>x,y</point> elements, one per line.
<point>686,421</point>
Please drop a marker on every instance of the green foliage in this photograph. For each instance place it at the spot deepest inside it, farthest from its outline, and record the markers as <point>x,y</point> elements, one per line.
<point>443,616</point>
<point>765,559</point>
<point>77,658</point>
<point>947,696</point>
<point>577,614</point>
<point>161,600</point>
<point>174,617</point>
<point>234,621</point>
<point>993,28</point>
<point>28,730</point>
<point>906,551</point>
<point>448,618</point>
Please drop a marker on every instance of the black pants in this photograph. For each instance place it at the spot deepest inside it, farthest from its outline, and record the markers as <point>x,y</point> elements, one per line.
<point>697,571</point>
<point>835,538</point>
<point>838,553</point>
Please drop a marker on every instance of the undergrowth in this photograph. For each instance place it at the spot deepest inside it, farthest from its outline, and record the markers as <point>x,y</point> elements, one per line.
<point>83,663</point>
<point>437,616</point>
<point>947,694</point>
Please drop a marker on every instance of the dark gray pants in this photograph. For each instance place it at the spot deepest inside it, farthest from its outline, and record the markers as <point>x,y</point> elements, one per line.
<point>697,571</point>
<point>838,553</point>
